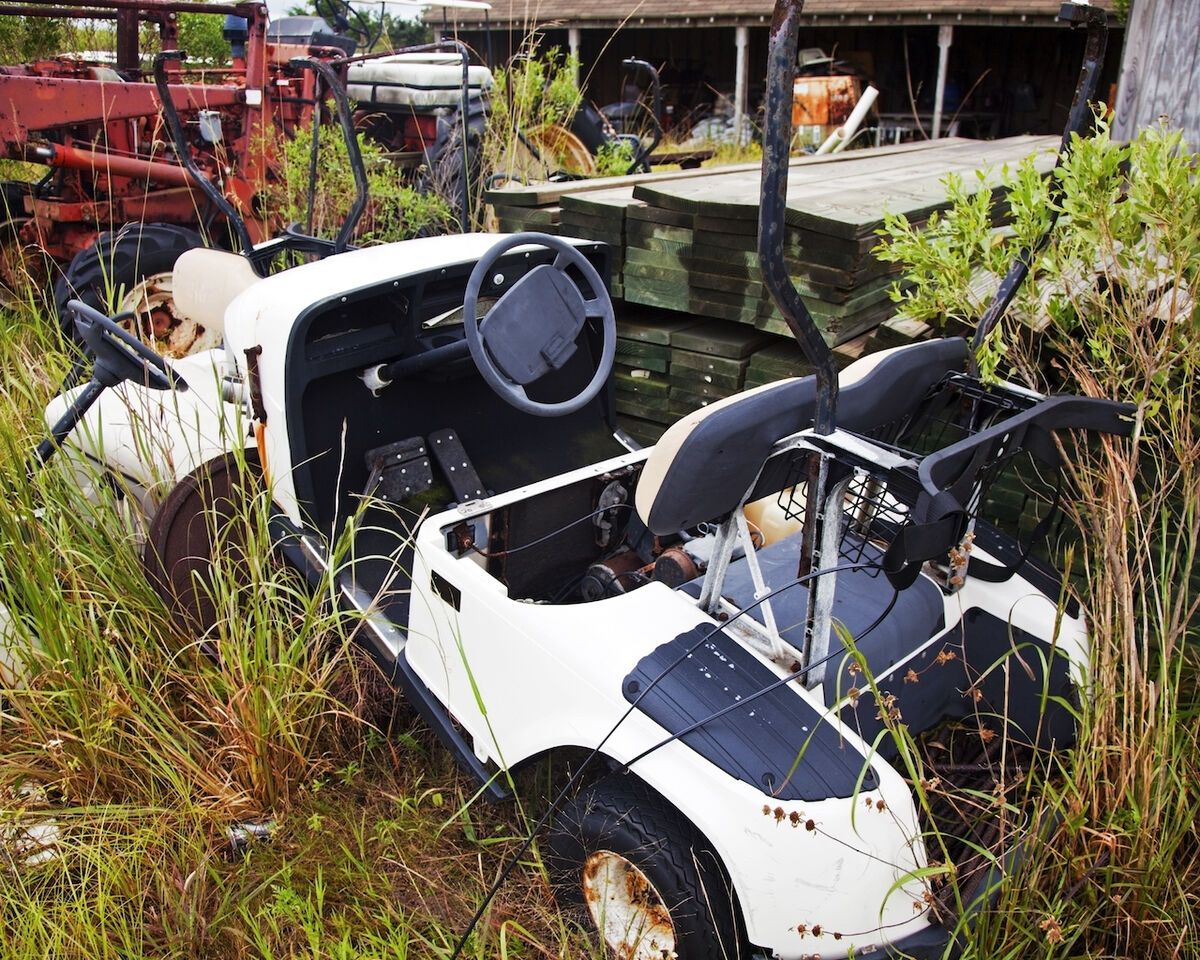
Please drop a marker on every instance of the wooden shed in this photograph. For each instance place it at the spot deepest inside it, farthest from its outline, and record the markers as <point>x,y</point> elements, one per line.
<point>976,67</point>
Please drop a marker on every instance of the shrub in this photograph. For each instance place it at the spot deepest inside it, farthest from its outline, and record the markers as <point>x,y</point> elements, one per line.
<point>1109,311</point>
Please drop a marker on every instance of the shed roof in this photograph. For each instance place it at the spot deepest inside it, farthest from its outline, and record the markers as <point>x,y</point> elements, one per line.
<point>684,13</point>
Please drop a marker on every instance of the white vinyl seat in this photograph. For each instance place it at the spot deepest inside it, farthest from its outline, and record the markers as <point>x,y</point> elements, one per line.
<point>206,281</point>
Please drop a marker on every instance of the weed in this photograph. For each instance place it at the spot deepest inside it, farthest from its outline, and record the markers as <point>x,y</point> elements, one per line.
<point>1109,311</point>
<point>395,210</point>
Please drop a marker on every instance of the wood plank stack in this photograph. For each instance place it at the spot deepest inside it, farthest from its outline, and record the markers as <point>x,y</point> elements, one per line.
<point>693,246</point>
<point>696,322</point>
<point>687,240</point>
<point>709,362</point>
<point>642,371</point>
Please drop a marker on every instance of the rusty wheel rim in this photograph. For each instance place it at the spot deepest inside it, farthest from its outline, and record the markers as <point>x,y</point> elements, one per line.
<point>159,323</point>
<point>626,908</point>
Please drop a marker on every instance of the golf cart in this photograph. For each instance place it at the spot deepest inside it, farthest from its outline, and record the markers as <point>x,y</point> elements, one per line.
<point>534,582</point>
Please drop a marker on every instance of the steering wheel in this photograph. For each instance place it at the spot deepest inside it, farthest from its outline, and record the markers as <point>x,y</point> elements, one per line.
<point>349,22</point>
<point>530,331</point>
<point>120,356</point>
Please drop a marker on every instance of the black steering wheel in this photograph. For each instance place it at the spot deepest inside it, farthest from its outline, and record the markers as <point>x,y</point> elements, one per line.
<point>349,22</point>
<point>531,330</point>
<point>120,356</point>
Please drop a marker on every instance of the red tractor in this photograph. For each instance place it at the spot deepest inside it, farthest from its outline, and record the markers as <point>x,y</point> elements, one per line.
<point>118,186</point>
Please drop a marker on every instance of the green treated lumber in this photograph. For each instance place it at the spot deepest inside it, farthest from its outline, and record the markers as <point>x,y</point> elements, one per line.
<point>646,384</point>
<point>641,405</point>
<point>849,201</point>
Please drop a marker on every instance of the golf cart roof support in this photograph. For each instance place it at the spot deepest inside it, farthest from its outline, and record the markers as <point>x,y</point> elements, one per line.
<point>175,125</point>
<point>777,141</point>
<point>1096,21</point>
<point>463,104</point>
<point>350,136</point>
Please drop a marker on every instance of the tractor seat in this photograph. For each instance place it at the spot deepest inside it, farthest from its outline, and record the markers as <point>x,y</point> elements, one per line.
<point>704,465</point>
<point>206,281</point>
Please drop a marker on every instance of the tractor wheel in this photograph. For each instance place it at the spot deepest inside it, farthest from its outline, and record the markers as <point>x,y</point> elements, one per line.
<point>24,267</point>
<point>129,270</point>
<point>449,171</point>
<point>647,880</point>
<point>200,528</point>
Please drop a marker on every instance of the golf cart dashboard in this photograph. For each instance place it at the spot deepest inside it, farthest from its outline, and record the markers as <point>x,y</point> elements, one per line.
<point>404,315</point>
<point>388,363</point>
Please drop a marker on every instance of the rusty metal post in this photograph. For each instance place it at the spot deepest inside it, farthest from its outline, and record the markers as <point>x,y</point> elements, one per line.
<point>1096,23</point>
<point>777,141</point>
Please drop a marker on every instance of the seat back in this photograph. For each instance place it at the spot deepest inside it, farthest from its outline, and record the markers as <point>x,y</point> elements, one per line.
<point>206,281</point>
<point>704,465</point>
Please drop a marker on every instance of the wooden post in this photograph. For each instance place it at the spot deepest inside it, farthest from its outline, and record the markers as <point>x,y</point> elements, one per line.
<point>1160,70</point>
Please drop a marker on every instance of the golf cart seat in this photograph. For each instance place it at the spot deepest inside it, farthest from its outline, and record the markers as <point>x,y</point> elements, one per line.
<point>704,465</point>
<point>206,281</point>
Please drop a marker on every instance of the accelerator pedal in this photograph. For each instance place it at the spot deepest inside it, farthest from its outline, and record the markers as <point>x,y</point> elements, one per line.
<point>451,456</point>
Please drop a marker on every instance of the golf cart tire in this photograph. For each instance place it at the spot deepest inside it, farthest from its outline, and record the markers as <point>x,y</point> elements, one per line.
<point>202,514</point>
<point>120,260</point>
<point>621,826</point>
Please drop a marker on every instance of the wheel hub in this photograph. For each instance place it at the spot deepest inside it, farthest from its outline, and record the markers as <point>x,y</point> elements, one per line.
<point>158,321</point>
<point>626,908</point>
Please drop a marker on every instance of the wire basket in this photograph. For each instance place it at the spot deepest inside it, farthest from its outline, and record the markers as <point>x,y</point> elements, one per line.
<point>877,500</point>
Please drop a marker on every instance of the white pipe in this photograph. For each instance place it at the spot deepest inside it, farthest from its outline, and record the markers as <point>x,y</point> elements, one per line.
<point>741,40</point>
<point>843,134</point>
<point>573,45</point>
<point>945,38</point>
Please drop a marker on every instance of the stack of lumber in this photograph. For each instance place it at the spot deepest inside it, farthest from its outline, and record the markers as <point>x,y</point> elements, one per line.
<point>594,209</point>
<point>600,215</point>
<point>642,371</point>
<point>696,323</point>
<point>692,246</point>
<point>687,240</point>
<point>709,362</point>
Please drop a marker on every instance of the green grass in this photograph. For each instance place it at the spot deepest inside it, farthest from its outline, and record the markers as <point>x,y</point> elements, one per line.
<point>137,754</point>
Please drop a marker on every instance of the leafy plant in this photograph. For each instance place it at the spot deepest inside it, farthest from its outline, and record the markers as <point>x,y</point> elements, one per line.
<point>1109,311</point>
<point>613,158</point>
<point>31,38</point>
<point>534,92</point>
<point>395,210</point>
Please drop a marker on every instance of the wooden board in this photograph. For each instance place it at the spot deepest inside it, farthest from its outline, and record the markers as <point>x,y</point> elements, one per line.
<point>650,326</point>
<point>644,431</point>
<point>647,384</point>
<point>640,405</point>
<point>848,200</point>
<point>689,363</point>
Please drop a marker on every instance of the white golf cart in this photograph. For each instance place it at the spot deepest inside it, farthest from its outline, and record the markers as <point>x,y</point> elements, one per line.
<point>534,582</point>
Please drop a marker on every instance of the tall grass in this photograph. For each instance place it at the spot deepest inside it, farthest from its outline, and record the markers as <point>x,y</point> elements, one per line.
<point>1110,312</point>
<point>128,754</point>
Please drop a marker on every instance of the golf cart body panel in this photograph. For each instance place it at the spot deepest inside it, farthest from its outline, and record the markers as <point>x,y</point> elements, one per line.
<point>151,439</point>
<point>552,675</point>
